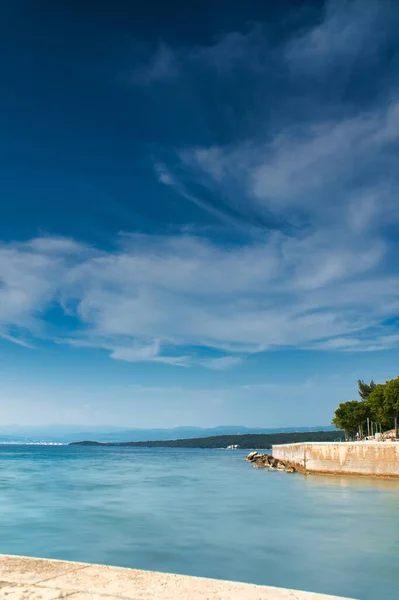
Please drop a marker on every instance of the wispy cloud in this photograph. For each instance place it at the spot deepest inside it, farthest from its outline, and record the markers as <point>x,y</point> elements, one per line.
<point>156,297</point>
<point>343,34</point>
<point>16,340</point>
<point>221,363</point>
<point>161,67</point>
<point>227,52</point>
<point>368,343</point>
<point>326,277</point>
<point>166,177</point>
<point>317,152</point>
<point>248,50</point>
<point>348,30</point>
<point>308,172</point>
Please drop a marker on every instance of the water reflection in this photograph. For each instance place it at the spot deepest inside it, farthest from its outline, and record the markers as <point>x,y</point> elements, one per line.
<point>375,483</point>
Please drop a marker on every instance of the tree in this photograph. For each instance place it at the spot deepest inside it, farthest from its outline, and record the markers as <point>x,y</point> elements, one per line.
<point>376,404</point>
<point>365,389</point>
<point>350,416</point>
<point>391,401</point>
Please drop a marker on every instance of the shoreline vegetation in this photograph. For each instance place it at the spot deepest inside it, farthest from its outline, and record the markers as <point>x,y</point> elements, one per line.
<point>243,441</point>
<point>376,412</point>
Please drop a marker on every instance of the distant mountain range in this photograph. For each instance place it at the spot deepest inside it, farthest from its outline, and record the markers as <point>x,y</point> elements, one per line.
<point>65,434</point>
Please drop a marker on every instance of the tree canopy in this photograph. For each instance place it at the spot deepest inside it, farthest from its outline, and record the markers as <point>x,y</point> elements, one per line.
<point>391,403</point>
<point>350,416</point>
<point>376,404</point>
<point>379,404</point>
<point>365,389</point>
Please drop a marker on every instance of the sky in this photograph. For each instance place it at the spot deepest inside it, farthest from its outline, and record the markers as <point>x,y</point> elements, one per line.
<point>199,210</point>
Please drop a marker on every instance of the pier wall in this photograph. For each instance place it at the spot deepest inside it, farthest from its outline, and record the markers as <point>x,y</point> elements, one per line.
<point>377,459</point>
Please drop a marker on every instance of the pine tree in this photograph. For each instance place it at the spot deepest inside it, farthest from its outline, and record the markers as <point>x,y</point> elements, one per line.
<point>365,389</point>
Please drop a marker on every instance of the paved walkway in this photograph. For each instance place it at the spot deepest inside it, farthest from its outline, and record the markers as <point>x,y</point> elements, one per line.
<point>37,579</point>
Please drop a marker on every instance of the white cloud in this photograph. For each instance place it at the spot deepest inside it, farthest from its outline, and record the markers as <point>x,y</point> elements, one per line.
<point>324,278</point>
<point>374,343</point>
<point>348,29</point>
<point>331,182</point>
<point>15,340</point>
<point>221,363</point>
<point>324,156</point>
<point>27,281</point>
<point>155,297</point>
<point>327,276</point>
<point>52,245</point>
<point>307,174</point>
<point>343,34</point>
<point>164,175</point>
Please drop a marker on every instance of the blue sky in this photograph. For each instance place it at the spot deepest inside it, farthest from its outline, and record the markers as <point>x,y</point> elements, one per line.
<point>199,218</point>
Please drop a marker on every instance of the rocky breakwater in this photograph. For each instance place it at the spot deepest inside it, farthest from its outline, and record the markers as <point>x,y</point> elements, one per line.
<point>267,461</point>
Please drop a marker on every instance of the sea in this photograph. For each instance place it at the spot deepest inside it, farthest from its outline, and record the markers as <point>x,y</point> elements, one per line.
<point>201,512</point>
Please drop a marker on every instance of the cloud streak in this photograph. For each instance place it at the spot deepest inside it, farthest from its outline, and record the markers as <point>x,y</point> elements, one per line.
<point>156,297</point>
<point>347,31</point>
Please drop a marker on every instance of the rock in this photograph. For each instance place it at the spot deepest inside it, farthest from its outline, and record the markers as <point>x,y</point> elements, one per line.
<point>252,456</point>
<point>263,461</point>
<point>267,461</point>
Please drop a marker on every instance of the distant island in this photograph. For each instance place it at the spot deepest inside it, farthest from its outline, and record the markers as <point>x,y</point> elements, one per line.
<point>244,441</point>
<point>75,433</point>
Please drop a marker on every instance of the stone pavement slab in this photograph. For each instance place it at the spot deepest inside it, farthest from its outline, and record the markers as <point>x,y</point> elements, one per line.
<point>23,592</point>
<point>32,570</point>
<point>23,578</point>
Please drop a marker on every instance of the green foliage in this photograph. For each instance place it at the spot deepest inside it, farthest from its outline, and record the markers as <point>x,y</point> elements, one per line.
<point>365,389</point>
<point>391,401</point>
<point>377,407</point>
<point>350,416</point>
<point>380,404</point>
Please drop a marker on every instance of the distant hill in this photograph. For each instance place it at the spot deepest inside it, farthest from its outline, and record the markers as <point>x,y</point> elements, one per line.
<point>245,441</point>
<point>66,434</point>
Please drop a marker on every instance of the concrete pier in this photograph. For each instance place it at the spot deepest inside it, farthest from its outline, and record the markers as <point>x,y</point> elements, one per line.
<point>23,578</point>
<point>375,459</point>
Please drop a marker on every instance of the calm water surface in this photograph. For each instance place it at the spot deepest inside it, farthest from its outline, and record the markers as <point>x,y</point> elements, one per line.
<point>201,512</point>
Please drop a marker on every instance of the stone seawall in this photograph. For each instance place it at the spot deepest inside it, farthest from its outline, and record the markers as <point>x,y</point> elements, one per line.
<point>376,459</point>
<point>24,578</point>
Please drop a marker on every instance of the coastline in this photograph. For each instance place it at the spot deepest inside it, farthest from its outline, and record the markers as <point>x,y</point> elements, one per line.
<point>28,577</point>
<point>245,441</point>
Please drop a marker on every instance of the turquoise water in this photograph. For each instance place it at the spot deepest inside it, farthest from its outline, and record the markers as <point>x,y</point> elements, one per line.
<point>201,512</point>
